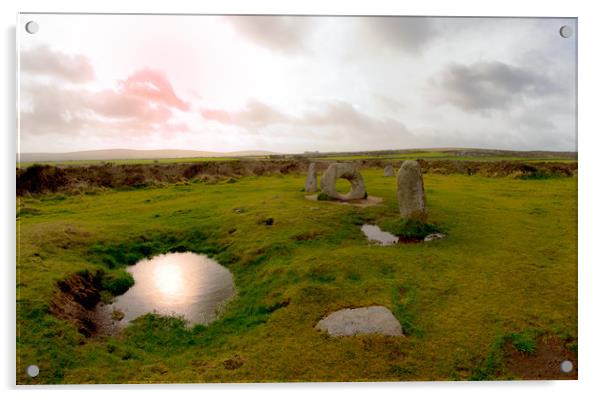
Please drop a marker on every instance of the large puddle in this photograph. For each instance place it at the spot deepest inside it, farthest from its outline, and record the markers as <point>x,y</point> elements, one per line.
<point>182,284</point>
<point>375,234</point>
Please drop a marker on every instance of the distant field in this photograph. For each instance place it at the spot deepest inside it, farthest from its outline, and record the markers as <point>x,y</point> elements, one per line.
<point>429,155</point>
<point>134,161</point>
<point>448,156</point>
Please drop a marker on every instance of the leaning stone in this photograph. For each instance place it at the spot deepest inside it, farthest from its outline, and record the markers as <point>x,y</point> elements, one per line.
<point>311,183</point>
<point>389,172</point>
<point>410,192</point>
<point>434,236</point>
<point>365,320</point>
<point>347,171</point>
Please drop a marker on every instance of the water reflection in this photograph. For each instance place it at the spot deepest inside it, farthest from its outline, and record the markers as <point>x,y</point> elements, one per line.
<point>374,233</point>
<point>187,284</point>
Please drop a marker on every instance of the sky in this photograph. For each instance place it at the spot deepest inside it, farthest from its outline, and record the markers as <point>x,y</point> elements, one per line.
<point>295,84</point>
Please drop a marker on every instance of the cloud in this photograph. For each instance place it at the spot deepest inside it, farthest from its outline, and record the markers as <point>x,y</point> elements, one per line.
<point>152,85</point>
<point>278,33</point>
<point>490,85</point>
<point>144,102</point>
<point>407,34</point>
<point>44,61</point>
<point>327,119</point>
<point>255,115</point>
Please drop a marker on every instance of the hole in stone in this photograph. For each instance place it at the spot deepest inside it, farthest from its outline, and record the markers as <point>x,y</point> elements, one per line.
<point>343,186</point>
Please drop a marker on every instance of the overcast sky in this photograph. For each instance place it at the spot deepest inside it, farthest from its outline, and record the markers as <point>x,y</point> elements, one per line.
<point>294,84</point>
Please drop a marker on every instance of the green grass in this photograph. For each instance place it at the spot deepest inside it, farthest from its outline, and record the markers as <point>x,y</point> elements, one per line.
<point>447,156</point>
<point>511,246</point>
<point>130,161</point>
<point>429,155</point>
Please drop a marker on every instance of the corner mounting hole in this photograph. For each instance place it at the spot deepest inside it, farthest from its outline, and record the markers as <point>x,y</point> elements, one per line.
<point>33,370</point>
<point>566,366</point>
<point>32,27</point>
<point>566,31</point>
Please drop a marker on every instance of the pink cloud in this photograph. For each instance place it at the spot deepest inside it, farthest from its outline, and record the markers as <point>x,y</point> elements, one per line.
<point>217,115</point>
<point>142,103</point>
<point>255,114</point>
<point>152,85</point>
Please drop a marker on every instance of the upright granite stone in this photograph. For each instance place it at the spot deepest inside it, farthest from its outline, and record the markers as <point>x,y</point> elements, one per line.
<point>366,320</point>
<point>311,183</point>
<point>347,171</point>
<point>389,172</point>
<point>410,192</point>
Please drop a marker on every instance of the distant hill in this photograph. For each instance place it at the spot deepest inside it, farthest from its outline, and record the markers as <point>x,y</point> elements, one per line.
<point>119,154</point>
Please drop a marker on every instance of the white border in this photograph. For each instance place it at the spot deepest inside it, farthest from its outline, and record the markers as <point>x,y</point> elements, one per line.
<point>590,221</point>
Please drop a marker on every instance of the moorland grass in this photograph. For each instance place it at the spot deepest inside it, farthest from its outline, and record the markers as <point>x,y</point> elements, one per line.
<point>511,247</point>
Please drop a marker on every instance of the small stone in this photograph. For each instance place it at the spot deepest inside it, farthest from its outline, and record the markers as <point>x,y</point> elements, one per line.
<point>311,183</point>
<point>435,236</point>
<point>117,315</point>
<point>364,320</point>
<point>389,172</point>
<point>410,192</point>
<point>347,171</point>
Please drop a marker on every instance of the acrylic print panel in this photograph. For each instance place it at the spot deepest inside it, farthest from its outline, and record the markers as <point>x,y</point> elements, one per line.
<point>276,199</point>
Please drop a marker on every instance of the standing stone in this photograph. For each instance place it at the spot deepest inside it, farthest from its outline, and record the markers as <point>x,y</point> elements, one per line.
<point>365,320</point>
<point>311,183</point>
<point>389,172</point>
<point>410,192</point>
<point>347,171</point>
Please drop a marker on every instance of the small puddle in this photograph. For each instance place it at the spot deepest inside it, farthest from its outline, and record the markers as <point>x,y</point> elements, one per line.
<point>182,284</point>
<point>374,233</point>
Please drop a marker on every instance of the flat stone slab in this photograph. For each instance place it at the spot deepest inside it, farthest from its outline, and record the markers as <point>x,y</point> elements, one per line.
<point>365,320</point>
<point>369,201</point>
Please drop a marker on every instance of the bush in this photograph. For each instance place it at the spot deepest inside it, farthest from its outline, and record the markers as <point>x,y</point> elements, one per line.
<point>523,342</point>
<point>117,282</point>
<point>323,196</point>
<point>409,229</point>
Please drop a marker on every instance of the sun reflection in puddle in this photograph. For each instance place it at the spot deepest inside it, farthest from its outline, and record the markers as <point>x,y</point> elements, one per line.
<point>186,284</point>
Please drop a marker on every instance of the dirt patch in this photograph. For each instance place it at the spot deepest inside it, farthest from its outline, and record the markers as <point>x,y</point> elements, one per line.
<point>544,363</point>
<point>77,300</point>
<point>233,363</point>
<point>368,202</point>
<point>409,239</point>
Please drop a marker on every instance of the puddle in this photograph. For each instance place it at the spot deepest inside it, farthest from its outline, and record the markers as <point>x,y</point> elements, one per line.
<point>375,234</point>
<point>185,284</point>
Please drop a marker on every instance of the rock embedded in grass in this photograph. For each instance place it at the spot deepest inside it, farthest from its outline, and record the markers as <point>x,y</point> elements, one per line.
<point>389,172</point>
<point>365,320</point>
<point>311,183</point>
<point>410,192</point>
<point>349,172</point>
<point>434,236</point>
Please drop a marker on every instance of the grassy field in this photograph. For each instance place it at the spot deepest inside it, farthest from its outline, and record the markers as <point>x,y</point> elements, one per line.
<point>448,156</point>
<point>507,271</point>
<point>130,161</point>
<point>475,155</point>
